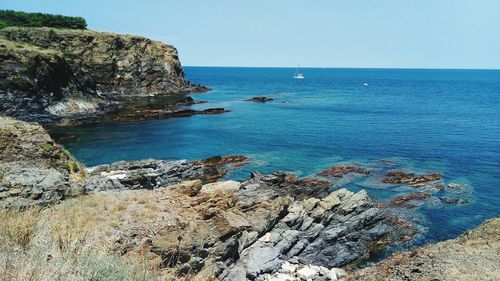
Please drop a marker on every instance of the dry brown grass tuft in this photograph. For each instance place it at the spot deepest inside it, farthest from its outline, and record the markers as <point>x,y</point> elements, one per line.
<point>68,242</point>
<point>19,227</point>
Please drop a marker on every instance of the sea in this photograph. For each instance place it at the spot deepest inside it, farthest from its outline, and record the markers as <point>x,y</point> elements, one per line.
<point>414,120</point>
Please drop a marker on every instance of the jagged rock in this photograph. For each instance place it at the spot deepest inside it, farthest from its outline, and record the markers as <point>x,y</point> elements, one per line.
<point>250,231</point>
<point>148,174</point>
<point>35,170</point>
<point>231,230</point>
<point>50,75</point>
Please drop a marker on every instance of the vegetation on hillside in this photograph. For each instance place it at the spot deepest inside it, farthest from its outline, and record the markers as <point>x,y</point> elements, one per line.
<point>51,244</point>
<point>14,18</point>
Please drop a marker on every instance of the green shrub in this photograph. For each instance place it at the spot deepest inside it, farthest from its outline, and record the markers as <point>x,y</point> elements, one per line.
<point>14,18</point>
<point>69,55</point>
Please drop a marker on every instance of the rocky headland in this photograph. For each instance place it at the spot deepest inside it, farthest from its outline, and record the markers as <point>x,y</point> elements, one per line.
<point>67,75</point>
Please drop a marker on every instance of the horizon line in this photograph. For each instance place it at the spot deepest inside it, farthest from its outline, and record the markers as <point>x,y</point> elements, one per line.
<point>342,67</point>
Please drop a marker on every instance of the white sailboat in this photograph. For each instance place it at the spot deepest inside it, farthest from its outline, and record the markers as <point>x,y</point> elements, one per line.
<point>298,74</point>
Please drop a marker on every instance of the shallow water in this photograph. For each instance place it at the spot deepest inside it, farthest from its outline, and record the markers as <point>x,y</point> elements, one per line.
<point>444,121</point>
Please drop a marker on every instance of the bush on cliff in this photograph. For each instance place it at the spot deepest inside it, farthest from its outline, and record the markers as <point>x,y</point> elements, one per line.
<point>14,18</point>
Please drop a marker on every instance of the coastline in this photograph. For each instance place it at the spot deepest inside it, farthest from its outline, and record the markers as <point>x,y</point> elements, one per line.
<point>153,219</point>
<point>280,206</point>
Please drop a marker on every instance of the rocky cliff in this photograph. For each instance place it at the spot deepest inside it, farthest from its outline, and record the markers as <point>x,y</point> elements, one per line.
<point>52,74</point>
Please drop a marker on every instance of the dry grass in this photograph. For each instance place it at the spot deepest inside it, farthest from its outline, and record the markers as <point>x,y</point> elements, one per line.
<point>76,222</point>
<point>18,228</point>
<point>80,238</point>
<point>35,264</point>
<point>68,242</point>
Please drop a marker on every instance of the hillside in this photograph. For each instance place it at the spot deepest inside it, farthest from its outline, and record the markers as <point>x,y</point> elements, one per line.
<point>49,75</point>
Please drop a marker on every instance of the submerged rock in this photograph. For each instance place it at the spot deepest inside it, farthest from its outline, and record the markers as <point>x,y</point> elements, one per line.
<point>399,177</point>
<point>189,100</point>
<point>146,113</point>
<point>342,170</point>
<point>260,99</point>
<point>223,160</point>
<point>454,201</point>
<point>402,200</point>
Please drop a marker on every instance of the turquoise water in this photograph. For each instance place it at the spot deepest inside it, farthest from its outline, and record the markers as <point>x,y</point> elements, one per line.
<point>445,121</point>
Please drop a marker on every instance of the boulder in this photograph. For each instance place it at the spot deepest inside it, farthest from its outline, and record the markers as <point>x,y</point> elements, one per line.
<point>221,185</point>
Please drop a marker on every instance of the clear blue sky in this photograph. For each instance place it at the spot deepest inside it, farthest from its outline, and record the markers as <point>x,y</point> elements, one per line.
<point>325,33</point>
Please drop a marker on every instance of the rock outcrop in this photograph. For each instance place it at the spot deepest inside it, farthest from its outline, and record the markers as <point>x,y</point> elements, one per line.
<point>52,74</point>
<point>231,230</point>
<point>327,229</point>
<point>179,218</point>
<point>33,169</point>
<point>149,174</point>
<point>473,256</point>
<point>36,171</point>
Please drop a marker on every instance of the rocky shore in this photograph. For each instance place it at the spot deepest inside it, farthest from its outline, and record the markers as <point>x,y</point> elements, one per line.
<point>473,256</point>
<point>61,75</point>
<point>185,223</point>
<point>196,226</point>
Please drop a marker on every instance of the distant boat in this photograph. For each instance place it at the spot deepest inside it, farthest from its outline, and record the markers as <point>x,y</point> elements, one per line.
<point>298,74</point>
<point>365,84</point>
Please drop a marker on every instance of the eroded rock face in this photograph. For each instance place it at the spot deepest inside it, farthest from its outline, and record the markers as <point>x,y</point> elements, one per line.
<point>33,169</point>
<point>238,231</point>
<point>53,74</point>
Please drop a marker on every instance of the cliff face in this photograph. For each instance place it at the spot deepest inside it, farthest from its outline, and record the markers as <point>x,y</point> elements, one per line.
<point>48,74</point>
